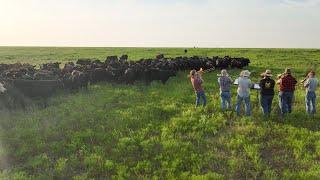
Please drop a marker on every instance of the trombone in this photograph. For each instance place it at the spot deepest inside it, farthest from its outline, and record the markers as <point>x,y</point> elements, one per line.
<point>304,80</point>
<point>313,68</point>
<point>201,71</point>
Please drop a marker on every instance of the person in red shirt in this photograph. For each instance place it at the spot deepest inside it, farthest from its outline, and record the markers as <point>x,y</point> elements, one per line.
<point>196,81</point>
<point>287,85</point>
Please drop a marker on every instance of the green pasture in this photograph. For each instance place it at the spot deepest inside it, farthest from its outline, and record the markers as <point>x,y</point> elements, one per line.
<point>113,131</point>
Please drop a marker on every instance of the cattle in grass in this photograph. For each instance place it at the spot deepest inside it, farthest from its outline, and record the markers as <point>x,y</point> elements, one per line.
<point>80,79</point>
<point>50,66</point>
<point>158,75</point>
<point>35,88</point>
<point>160,56</point>
<point>84,61</point>
<point>12,98</point>
<point>130,76</point>
<point>123,58</point>
<point>112,60</point>
<point>245,62</point>
<point>101,74</point>
<point>113,69</point>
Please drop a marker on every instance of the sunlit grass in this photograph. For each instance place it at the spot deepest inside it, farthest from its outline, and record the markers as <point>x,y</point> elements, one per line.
<point>145,132</point>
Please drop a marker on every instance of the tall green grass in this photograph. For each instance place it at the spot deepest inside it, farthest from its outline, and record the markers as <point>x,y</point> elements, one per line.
<point>154,132</point>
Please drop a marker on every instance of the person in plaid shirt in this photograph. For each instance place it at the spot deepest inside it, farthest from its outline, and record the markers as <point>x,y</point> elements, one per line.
<point>287,85</point>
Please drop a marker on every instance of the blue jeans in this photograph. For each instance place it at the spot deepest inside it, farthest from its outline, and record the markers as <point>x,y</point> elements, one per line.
<point>225,100</point>
<point>266,103</point>
<point>247,105</point>
<point>311,102</point>
<point>200,95</point>
<point>286,99</point>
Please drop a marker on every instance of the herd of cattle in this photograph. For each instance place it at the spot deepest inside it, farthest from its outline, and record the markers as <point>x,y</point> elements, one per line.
<point>44,81</point>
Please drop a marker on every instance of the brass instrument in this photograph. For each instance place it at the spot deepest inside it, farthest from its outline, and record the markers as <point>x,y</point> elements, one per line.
<point>304,80</point>
<point>313,68</point>
<point>201,71</point>
<point>306,77</point>
<point>279,76</point>
<point>220,75</point>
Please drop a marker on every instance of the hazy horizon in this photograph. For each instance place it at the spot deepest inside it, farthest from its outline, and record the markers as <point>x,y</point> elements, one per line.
<point>167,47</point>
<point>161,23</point>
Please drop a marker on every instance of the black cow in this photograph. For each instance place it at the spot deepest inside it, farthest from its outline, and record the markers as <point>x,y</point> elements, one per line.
<point>37,88</point>
<point>245,62</point>
<point>84,61</point>
<point>13,98</point>
<point>75,80</point>
<point>130,76</point>
<point>223,63</point>
<point>160,56</point>
<point>123,58</point>
<point>101,74</point>
<point>158,75</point>
<point>235,63</point>
<point>111,59</point>
<point>50,66</point>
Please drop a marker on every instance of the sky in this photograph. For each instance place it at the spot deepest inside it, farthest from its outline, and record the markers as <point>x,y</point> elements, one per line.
<point>161,23</point>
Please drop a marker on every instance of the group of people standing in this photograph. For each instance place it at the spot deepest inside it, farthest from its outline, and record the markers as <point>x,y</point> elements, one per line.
<point>286,83</point>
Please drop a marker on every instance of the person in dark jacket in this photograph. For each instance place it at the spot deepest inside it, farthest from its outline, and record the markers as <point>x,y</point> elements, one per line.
<point>267,92</point>
<point>287,87</point>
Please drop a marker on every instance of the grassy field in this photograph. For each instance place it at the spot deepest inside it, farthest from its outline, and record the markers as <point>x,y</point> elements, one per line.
<point>154,132</point>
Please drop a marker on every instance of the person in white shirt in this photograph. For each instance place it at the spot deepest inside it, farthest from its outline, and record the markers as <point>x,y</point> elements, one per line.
<point>243,92</point>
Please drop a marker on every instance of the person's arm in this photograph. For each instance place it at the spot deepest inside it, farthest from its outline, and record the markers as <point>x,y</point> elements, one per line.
<point>295,81</point>
<point>306,83</point>
<point>200,80</point>
<point>261,84</point>
<point>192,83</point>
<point>250,84</point>
<point>273,84</point>
<point>236,81</point>
<point>279,81</point>
<point>193,86</point>
<point>230,79</point>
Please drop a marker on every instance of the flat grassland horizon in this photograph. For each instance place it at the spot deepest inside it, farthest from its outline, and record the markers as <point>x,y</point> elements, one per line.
<point>117,131</point>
